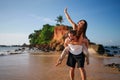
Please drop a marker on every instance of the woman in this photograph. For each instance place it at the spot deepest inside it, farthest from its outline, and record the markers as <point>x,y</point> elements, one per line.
<point>81,28</point>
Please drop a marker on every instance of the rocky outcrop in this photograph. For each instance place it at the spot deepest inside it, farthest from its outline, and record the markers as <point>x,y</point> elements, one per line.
<point>59,32</point>
<point>98,48</point>
<point>58,38</point>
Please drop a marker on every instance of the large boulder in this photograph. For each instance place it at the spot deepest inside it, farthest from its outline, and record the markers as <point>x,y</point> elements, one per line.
<point>98,48</point>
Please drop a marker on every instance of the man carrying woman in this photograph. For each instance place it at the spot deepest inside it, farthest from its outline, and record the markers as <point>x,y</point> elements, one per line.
<point>76,45</point>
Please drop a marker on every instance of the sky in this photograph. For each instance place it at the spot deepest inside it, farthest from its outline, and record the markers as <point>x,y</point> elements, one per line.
<point>19,18</point>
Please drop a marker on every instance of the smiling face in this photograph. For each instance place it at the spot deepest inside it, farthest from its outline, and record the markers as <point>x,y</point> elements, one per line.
<point>80,24</point>
<point>71,36</point>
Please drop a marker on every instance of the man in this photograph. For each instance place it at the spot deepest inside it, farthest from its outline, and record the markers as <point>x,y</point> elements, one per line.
<point>76,49</point>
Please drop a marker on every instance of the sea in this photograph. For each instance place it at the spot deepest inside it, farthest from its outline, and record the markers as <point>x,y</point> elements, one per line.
<point>10,49</point>
<point>112,49</point>
<point>6,50</point>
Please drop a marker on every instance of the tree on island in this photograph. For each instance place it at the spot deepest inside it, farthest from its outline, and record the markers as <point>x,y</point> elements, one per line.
<point>59,20</point>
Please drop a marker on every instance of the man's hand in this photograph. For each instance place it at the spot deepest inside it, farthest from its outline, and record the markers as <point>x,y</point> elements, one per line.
<point>87,61</point>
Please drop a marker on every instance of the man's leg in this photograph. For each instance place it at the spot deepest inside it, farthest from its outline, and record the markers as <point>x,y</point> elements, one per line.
<point>71,63</point>
<point>72,73</point>
<point>83,73</point>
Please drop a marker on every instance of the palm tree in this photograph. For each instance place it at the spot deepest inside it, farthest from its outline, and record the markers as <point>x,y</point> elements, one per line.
<point>59,19</point>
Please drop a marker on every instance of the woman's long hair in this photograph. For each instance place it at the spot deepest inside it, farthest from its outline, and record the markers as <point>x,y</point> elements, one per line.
<point>84,29</point>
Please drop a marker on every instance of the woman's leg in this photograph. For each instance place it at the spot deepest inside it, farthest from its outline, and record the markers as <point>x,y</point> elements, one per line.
<point>64,52</point>
<point>62,56</point>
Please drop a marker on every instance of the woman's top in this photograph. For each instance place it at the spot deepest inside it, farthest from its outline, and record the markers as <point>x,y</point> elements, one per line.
<point>75,49</point>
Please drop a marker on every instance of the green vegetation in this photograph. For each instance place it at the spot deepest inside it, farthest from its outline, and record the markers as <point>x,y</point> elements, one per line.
<point>42,36</point>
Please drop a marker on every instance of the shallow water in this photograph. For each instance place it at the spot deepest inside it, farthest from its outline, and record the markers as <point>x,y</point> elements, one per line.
<point>3,49</point>
<point>42,67</point>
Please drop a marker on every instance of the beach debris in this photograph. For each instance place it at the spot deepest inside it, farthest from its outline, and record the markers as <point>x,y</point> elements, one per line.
<point>114,66</point>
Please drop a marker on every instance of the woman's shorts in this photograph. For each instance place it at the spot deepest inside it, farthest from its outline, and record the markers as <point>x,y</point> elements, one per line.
<point>73,59</point>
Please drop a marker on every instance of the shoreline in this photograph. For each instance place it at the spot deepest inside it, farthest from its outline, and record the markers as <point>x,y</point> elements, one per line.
<point>115,66</point>
<point>42,67</point>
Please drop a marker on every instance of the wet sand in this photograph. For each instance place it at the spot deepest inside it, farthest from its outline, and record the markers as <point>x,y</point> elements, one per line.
<point>42,67</point>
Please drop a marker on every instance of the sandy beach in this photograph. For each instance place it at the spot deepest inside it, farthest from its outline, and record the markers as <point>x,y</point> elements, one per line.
<point>42,67</point>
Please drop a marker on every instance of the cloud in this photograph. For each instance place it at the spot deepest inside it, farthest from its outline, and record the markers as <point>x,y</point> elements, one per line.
<point>111,42</point>
<point>13,38</point>
<point>42,19</point>
<point>48,20</point>
<point>35,16</point>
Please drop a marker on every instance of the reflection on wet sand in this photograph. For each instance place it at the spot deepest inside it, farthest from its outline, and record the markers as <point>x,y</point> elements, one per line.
<point>42,67</point>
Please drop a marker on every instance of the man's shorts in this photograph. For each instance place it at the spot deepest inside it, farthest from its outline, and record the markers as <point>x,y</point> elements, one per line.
<point>73,59</point>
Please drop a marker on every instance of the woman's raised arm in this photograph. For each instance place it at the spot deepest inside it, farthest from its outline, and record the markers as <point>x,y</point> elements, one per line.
<point>69,19</point>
